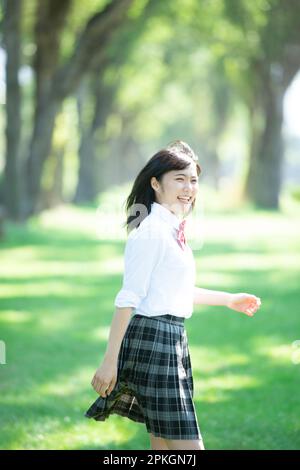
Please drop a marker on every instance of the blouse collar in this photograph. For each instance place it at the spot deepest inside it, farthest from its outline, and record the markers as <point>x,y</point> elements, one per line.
<point>165,214</point>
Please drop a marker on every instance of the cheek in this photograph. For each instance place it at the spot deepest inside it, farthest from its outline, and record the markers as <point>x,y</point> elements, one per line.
<point>173,187</point>
<point>170,192</point>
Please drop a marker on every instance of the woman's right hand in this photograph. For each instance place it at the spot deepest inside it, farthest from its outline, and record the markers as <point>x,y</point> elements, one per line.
<point>105,378</point>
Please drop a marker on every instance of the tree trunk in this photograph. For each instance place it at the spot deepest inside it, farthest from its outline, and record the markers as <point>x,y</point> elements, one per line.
<point>39,151</point>
<point>86,187</point>
<point>51,18</point>
<point>12,40</point>
<point>53,196</point>
<point>103,96</point>
<point>270,155</point>
<point>263,181</point>
<point>85,190</point>
<point>53,84</point>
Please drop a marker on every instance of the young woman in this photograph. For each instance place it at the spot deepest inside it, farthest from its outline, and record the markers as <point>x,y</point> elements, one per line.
<point>146,372</point>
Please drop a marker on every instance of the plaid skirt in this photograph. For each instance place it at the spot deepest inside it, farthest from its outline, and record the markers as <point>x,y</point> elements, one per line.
<point>154,382</point>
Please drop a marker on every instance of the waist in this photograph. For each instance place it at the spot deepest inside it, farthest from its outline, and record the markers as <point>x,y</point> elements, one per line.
<point>165,318</point>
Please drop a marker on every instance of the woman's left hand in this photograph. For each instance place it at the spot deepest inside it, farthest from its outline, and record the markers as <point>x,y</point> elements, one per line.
<point>245,303</point>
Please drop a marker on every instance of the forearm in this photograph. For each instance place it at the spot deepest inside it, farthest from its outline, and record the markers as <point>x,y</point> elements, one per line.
<point>211,297</point>
<point>118,329</point>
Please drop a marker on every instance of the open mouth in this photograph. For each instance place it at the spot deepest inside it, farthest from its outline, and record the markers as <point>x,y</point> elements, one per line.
<point>185,200</point>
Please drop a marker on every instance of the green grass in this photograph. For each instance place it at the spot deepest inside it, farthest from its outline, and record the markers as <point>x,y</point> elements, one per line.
<point>59,277</point>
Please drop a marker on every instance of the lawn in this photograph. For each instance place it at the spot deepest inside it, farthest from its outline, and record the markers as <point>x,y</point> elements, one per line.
<point>59,277</point>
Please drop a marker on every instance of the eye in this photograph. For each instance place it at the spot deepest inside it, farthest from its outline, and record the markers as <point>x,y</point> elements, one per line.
<point>181,179</point>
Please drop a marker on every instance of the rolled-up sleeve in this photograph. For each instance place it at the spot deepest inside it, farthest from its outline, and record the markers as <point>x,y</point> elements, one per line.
<point>142,254</point>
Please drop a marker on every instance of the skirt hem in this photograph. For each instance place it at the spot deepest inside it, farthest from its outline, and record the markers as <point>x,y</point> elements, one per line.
<point>155,383</point>
<point>155,434</point>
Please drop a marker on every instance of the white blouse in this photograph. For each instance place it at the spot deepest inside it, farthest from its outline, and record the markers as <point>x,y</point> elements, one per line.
<point>159,276</point>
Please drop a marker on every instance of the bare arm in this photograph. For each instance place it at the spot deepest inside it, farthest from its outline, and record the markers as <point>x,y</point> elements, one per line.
<point>241,302</point>
<point>105,377</point>
<point>211,297</point>
<point>118,329</point>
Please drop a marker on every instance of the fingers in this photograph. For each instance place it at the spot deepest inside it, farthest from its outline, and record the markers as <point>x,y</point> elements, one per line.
<point>95,382</point>
<point>100,388</point>
<point>257,303</point>
<point>104,389</point>
<point>111,387</point>
<point>253,306</point>
<point>97,385</point>
<point>249,312</point>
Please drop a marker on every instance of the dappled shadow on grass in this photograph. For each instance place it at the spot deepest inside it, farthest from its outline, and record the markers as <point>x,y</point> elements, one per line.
<point>260,415</point>
<point>247,394</point>
<point>56,323</point>
<point>32,234</point>
<point>132,444</point>
<point>68,315</point>
<point>57,424</point>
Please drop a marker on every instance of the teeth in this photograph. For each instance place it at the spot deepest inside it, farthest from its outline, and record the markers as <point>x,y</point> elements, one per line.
<point>186,199</point>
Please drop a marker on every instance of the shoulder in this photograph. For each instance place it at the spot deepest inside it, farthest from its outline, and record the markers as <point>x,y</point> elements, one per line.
<point>147,240</point>
<point>151,229</point>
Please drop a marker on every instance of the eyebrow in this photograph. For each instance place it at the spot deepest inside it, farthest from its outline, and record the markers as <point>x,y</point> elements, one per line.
<point>182,174</point>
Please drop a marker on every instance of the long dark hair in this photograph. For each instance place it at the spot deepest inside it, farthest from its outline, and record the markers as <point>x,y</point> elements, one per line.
<point>142,195</point>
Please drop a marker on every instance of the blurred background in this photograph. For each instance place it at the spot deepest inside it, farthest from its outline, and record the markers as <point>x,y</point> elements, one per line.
<point>89,91</point>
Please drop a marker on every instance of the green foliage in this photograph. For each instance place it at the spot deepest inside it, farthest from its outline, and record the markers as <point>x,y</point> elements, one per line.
<point>295,193</point>
<point>177,69</point>
<point>80,13</point>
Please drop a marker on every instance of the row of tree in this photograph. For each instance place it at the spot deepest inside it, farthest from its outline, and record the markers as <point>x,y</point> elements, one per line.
<point>246,52</point>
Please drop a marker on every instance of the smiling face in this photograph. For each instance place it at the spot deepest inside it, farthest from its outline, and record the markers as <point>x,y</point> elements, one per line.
<point>177,189</point>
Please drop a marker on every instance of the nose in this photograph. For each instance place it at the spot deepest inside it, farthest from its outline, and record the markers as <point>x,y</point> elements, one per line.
<point>189,187</point>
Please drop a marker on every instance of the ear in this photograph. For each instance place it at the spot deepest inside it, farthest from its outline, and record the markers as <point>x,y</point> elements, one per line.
<point>154,184</point>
